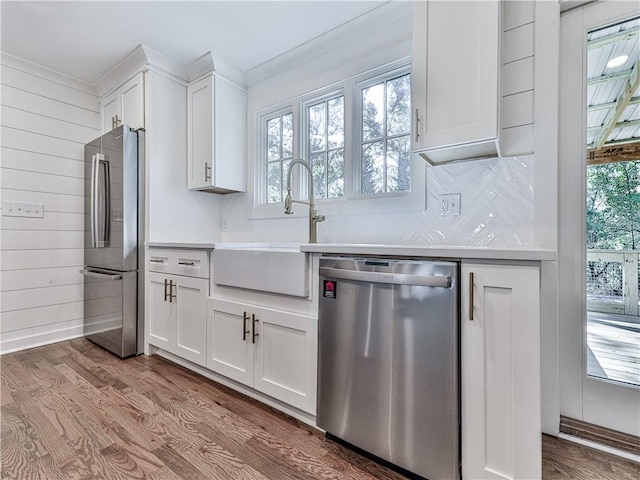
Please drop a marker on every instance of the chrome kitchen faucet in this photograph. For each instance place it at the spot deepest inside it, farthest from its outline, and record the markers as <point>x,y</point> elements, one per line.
<point>314,218</point>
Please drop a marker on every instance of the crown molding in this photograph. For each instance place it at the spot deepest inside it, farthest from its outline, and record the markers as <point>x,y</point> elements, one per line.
<point>141,59</point>
<point>205,64</point>
<point>47,73</point>
<point>378,29</point>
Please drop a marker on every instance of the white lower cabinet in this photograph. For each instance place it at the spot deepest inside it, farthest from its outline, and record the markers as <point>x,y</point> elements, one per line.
<point>177,315</point>
<point>270,350</point>
<point>501,426</point>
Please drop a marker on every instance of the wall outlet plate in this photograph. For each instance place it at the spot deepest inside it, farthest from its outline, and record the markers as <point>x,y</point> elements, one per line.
<point>23,209</point>
<point>449,204</point>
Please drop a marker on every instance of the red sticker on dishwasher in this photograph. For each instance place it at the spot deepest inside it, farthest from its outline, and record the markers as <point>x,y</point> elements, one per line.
<point>329,290</point>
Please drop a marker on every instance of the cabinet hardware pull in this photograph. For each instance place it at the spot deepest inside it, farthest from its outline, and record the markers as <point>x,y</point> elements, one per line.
<point>417,131</point>
<point>188,264</point>
<point>253,328</point>
<point>171,294</point>
<point>207,172</point>
<point>156,260</point>
<point>165,290</point>
<point>470,295</point>
<point>245,317</point>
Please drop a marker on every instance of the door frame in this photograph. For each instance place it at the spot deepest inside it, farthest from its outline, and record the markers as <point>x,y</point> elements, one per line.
<point>601,402</point>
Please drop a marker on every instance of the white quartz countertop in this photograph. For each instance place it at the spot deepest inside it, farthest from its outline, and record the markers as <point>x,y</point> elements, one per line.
<point>436,251</point>
<point>431,251</point>
<point>198,246</point>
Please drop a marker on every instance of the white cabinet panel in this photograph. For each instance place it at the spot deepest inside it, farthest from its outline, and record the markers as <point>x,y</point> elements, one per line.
<point>159,311</point>
<point>216,123</point>
<point>286,357</point>
<point>109,108</point>
<point>229,340</point>
<point>190,321</point>
<point>501,429</point>
<point>456,100</point>
<point>132,100</point>
<point>176,309</point>
<point>124,106</point>
<point>270,350</point>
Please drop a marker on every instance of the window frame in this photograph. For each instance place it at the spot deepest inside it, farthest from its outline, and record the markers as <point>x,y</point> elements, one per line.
<point>336,206</point>
<point>263,180</point>
<point>381,76</point>
<point>309,101</point>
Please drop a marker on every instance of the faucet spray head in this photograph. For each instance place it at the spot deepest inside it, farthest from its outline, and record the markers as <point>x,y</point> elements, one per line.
<point>288,203</point>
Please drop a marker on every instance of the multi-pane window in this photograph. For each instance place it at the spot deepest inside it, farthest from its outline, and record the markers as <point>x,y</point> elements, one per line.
<point>325,146</point>
<point>385,107</point>
<point>279,147</point>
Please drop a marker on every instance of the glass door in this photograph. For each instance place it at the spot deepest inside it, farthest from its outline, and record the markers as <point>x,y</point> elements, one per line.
<point>600,215</point>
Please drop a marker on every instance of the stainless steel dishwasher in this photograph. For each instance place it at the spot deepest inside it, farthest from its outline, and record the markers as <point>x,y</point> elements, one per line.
<point>388,379</point>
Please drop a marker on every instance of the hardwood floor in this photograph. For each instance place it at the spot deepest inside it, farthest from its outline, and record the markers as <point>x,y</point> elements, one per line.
<point>74,411</point>
<point>614,347</point>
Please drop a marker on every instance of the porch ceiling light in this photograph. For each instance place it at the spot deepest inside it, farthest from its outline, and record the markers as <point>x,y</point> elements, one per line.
<point>617,61</point>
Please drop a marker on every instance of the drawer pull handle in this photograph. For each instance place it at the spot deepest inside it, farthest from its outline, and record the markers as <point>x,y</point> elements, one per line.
<point>165,290</point>
<point>156,260</point>
<point>187,264</point>
<point>253,328</point>
<point>471,296</point>
<point>245,317</point>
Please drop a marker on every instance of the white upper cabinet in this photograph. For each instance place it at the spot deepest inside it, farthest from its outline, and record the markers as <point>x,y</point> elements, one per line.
<point>455,80</point>
<point>124,105</point>
<point>216,122</point>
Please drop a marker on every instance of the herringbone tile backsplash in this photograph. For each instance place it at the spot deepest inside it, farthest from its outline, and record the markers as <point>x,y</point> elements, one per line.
<point>496,200</point>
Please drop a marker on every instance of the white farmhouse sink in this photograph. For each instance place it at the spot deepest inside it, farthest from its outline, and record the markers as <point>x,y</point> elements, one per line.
<point>268,267</point>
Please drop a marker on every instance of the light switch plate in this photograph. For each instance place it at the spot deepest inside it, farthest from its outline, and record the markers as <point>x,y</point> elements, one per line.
<point>23,209</point>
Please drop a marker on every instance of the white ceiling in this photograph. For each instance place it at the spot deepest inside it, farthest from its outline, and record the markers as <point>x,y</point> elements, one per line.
<point>84,39</point>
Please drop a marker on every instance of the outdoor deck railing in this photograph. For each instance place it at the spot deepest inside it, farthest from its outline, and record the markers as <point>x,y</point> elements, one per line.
<point>613,281</point>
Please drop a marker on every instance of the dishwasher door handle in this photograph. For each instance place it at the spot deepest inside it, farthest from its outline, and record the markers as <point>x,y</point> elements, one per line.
<point>392,278</point>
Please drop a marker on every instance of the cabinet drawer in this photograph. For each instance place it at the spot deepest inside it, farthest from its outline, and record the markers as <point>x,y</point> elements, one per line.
<point>190,263</point>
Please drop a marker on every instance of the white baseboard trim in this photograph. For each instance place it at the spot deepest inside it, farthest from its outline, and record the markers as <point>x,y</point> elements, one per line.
<point>249,392</point>
<point>602,448</point>
<point>38,340</point>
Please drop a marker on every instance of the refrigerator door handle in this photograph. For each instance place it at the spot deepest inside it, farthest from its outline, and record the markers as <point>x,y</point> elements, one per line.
<point>94,201</point>
<point>100,239</point>
<point>107,201</point>
<point>98,274</point>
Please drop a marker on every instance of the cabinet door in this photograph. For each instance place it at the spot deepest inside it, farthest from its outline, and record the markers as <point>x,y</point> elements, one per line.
<point>160,312</point>
<point>230,340</point>
<point>286,357</point>
<point>501,426</point>
<point>132,102</point>
<point>200,134</point>
<point>109,109</point>
<point>455,82</point>
<point>190,322</point>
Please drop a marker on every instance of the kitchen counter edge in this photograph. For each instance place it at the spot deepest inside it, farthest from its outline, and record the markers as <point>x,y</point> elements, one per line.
<point>195,246</point>
<point>466,253</point>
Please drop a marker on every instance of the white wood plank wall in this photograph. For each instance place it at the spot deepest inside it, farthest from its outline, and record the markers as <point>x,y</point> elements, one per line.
<point>45,123</point>
<point>518,77</point>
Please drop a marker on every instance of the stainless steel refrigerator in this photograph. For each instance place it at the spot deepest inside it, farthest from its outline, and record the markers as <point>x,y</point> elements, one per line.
<point>113,241</point>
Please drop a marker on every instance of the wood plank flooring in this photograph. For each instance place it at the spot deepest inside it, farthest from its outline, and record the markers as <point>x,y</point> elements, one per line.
<point>614,347</point>
<point>74,411</point>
